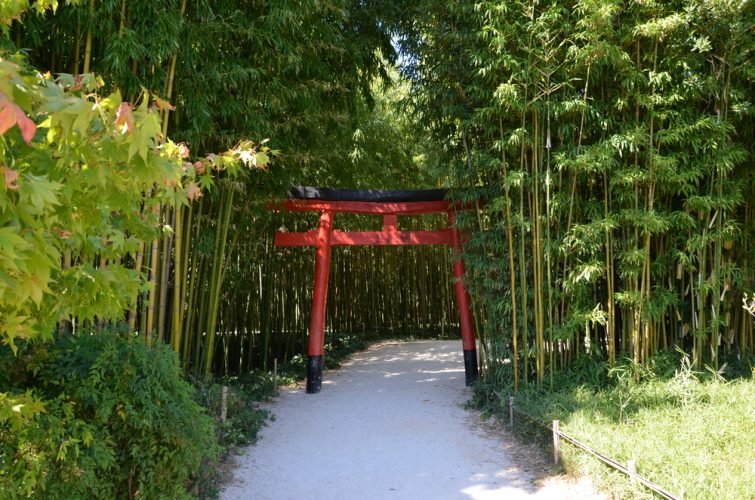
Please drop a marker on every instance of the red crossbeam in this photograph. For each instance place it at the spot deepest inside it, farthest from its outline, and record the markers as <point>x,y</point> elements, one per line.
<point>309,238</point>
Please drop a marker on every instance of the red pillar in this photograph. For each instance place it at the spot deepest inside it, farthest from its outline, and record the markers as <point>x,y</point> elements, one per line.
<point>463,302</point>
<point>317,321</point>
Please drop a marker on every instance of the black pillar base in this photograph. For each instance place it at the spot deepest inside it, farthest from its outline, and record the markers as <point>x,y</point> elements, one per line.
<point>470,366</point>
<point>314,374</point>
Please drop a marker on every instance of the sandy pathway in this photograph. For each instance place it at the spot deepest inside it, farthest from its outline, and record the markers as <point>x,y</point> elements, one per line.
<point>388,425</point>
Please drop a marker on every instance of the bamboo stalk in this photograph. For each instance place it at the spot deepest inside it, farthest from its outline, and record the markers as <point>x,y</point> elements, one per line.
<point>534,204</point>
<point>189,273</point>
<point>88,44</point>
<point>522,237</point>
<point>139,261</point>
<point>522,280</point>
<point>201,319</point>
<point>610,301</point>
<point>143,305</point>
<point>77,49</point>
<point>212,319</point>
<point>152,299</point>
<point>179,277</point>
<point>167,250</point>
<point>122,23</point>
<point>195,282</point>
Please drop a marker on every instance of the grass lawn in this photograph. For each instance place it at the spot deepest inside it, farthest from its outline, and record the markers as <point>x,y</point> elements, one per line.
<point>694,438</point>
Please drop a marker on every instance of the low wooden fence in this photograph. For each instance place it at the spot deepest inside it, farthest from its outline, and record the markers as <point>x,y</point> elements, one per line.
<point>555,428</point>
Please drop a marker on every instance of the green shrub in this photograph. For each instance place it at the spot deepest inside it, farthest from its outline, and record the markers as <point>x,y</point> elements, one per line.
<point>56,454</point>
<point>119,422</point>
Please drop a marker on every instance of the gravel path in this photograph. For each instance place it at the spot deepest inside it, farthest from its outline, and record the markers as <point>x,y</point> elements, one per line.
<point>388,425</point>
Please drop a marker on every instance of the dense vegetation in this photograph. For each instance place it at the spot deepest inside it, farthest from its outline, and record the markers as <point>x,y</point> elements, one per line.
<point>613,145</point>
<point>108,225</point>
<point>607,144</point>
<point>238,71</point>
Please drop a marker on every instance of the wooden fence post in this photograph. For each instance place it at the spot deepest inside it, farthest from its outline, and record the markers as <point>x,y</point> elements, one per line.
<point>556,442</point>
<point>511,411</point>
<point>224,404</point>
<point>632,468</point>
<point>275,376</point>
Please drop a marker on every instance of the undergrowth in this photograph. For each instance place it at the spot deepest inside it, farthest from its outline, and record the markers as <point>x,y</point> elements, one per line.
<point>116,420</point>
<point>689,432</point>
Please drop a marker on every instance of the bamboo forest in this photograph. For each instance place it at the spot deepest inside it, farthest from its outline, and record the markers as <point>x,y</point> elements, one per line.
<point>597,155</point>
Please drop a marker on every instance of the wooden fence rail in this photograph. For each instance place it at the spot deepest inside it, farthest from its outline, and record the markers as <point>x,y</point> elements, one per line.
<point>555,428</point>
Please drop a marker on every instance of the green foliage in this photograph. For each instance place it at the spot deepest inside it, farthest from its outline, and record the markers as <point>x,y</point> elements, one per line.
<point>56,454</point>
<point>84,180</point>
<point>16,409</point>
<point>119,422</point>
<point>612,142</point>
<point>11,10</point>
<point>76,185</point>
<point>295,72</point>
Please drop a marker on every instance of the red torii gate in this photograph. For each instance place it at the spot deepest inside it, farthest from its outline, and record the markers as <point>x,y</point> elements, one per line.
<point>389,204</point>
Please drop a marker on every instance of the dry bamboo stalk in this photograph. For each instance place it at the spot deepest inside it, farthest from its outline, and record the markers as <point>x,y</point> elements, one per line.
<point>217,277</point>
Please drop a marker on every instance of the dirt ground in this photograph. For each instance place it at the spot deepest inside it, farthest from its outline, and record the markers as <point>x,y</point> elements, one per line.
<point>390,424</point>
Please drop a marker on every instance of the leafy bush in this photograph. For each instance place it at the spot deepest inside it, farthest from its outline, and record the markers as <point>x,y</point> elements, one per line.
<point>56,454</point>
<point>119,422</point>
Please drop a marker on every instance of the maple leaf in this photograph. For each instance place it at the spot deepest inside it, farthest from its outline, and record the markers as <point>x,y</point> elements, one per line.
<point>199,168</point>
<point>124,118</point>
<point>193,192</point>
<point>11,177</point>
<point>11,114</point>
<point>183,150</point>
<point>7,117</point>
<point>162,104</point>
<point>28,127</point>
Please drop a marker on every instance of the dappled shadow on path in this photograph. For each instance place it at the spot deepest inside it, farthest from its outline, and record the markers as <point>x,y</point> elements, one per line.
<point>389,424</point>
<point>440,361</point>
